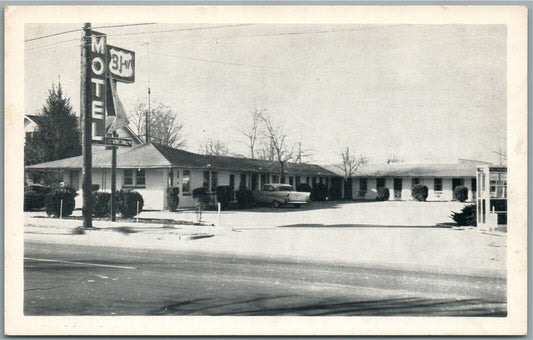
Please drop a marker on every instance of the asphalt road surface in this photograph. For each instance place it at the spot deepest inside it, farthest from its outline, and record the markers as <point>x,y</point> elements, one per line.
<point>87,280</point>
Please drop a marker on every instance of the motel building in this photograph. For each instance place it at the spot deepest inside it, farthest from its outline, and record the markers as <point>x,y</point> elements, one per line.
<point>152,168</point>
<point>441,179</point>
<point>491,199</point>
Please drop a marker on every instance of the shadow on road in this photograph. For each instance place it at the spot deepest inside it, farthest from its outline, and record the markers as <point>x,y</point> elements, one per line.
<point>264,208</point>
<point>289,305</point>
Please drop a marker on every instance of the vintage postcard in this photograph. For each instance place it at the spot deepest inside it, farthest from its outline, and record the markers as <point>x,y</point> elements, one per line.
<point>265,170</point>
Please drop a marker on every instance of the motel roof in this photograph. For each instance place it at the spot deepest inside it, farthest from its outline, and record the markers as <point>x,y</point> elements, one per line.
<point>34,118</point>
<point>463,168</point>
<point>153,155</point>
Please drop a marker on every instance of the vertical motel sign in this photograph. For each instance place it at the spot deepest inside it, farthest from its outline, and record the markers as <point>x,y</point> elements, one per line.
<point>97,70</point>
<point>106,61</point>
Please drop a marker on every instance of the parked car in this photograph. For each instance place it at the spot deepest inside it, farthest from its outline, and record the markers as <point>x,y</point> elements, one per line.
<point>41,189</point>
<point>279,194</point>
<point>35,196</point>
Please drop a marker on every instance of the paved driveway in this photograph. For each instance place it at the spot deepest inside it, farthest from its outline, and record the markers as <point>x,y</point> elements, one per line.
<point>377,234</point>
<point>318,214</point>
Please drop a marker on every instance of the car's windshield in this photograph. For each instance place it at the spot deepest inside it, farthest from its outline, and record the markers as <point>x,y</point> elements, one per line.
<point>285,188</point>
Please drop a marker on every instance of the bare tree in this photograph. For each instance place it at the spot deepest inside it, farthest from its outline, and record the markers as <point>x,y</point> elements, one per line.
<point>395,159</point>
<point>165,127</point>
<point>302,154</point>
<point>253,132</point>
<point>350,162</point>
<point>214,147</point>
<point>280,151</point>
<point>265,150</point>
<point>349,165</point>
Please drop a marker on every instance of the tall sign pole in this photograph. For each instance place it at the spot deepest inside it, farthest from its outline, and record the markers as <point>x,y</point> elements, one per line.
<point>97,77</point>
<point>86,127</point>
<point>93,103</point>
<point>113,183</point>
<point>121,68</point>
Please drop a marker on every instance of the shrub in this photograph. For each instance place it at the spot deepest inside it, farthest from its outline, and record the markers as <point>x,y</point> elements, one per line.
<point>224,195</point>
<point>33,200</point>
<point>245,198</point>
<point>460,193</point>
<point>383,194</point>
<point>127,203</point>
<point>173,198</point>
<point>419,192</point>
<point>201,195</point>
<point>319,192</point>
<point>53,201</point>
<point>335,192</point>
<point>102,204</point>
<point>303,187</point>
<point>467,216</point>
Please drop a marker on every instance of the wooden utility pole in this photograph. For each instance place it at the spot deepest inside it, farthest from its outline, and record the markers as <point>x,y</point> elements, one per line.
<point>86,128</point>
<point>114,184</point>
<point>148,118</point>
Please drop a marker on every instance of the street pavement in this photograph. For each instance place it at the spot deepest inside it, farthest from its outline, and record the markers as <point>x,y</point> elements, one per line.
<point>95,280</point>
<point>252,264</point>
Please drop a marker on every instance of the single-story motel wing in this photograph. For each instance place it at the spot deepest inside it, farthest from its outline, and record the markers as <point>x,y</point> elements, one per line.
<point>151,168</point>
<point>440,178</point>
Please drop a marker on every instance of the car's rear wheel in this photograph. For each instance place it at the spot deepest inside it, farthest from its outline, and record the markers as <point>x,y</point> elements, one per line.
<point>276,204</point>
<point>297,205</point>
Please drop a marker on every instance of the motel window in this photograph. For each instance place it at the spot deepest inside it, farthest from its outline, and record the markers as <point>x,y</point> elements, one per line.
<point>205,183</point>
<point>243,180</point>
<point>307,180</point>
<point>275,179</point>
<point>140,178</point>
<point>297,179</point>
<point>214,181</point>
<point>380,183</point>
<point>232,182</point>
<point>134,178</point>
<point>498,185</point>
<point>170,177</point>
<point>210,181</point>
<point>474,185</point>
<point>415,181</point>
<point>282,179</point>
<point>313,180</point>
<point>291,180</point>
<point>75,179</point>
<point>397,184</point>
<point>363,185</point>
<point>437,184</point>
<point>457,182</point>
<point>186,186</point>
<point>128,177</point>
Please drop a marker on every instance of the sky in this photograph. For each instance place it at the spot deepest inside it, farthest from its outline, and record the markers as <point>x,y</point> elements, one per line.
<point>425,93</point>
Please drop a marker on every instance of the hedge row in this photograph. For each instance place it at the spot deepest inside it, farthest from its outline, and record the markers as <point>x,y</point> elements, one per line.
<point>61,202</point>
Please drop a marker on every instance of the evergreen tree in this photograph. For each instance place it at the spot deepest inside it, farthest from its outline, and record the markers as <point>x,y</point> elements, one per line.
<point>57,135</point>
